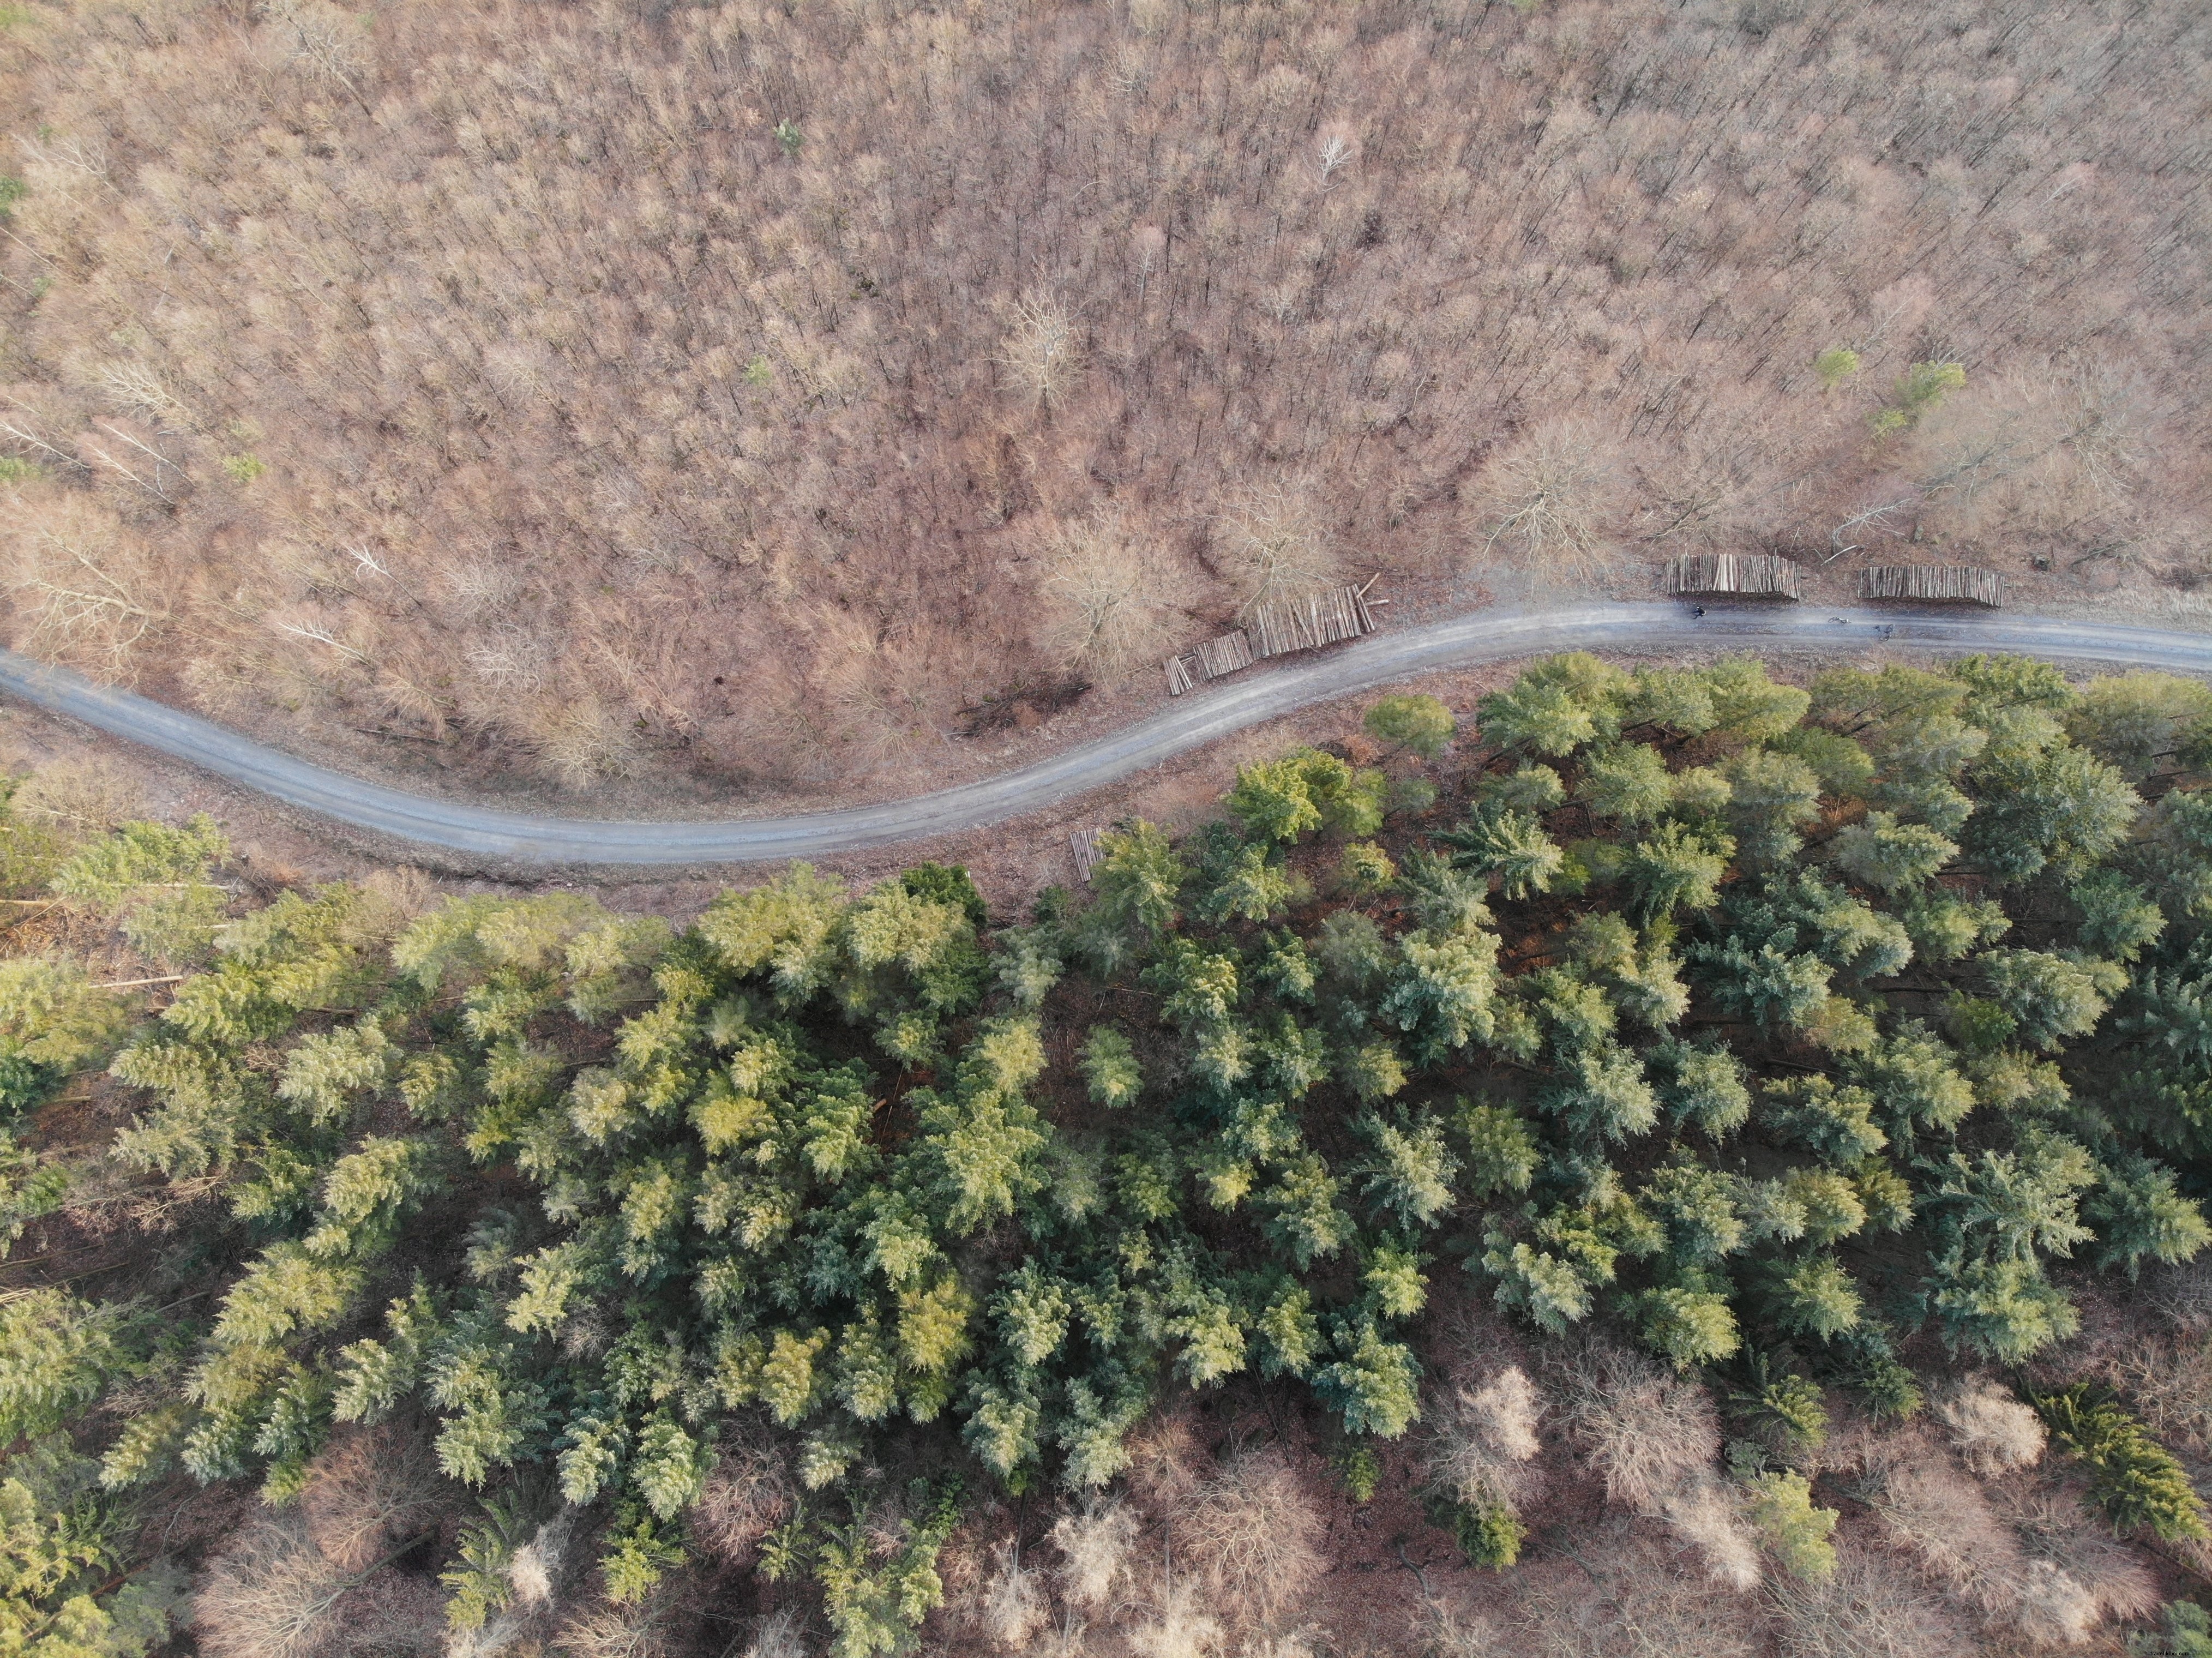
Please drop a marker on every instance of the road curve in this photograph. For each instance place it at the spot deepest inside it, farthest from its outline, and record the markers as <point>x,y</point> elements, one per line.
<point>506,838</point>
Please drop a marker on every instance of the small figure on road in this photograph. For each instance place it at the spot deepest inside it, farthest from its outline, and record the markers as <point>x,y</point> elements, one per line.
<point>1700,611</point>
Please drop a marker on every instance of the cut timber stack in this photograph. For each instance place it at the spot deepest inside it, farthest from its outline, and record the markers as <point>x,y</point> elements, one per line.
<point>1305,624</point>
<point>1084,844</point>
<point>1754,576</point>
<point>1225,655</point>
<point>1302,624</point>
<point>1934,584</point>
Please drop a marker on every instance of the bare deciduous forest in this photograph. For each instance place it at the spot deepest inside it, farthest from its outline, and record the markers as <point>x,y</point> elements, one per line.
<point>751,388</point>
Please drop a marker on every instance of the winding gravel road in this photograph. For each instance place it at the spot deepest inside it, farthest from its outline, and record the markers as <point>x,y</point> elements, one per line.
<point>1208,713</point>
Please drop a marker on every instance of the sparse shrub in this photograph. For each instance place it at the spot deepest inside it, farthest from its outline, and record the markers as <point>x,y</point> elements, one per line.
<point>1359,1467</point>
<point>1795,1529</point>
<point>2187,1634</point>
<point>1488,1533</point>
<point>1992,1430</point>
<point>1862,1360</point>
<point>1254,1534</point>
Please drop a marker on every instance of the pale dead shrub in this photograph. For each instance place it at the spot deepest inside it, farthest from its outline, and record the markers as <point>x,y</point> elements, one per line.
<point>1945,1525</point>
<point>2170,1385</point>
<point>2182,1295</point>
<point>1255,1534</point>
<point>748,1492</point>
<point>1297,1644</point>
<point>779,1634</point>
<point>88,796</point>
<point>1095,1546</point>
<point>1647,1432</point>
<point>607,1630</point>
<point>315,1581</point>
<point>2060,1529</point>
<point>1011,1607</point>
<point>1991,1429</point>
<point>2051,1606</point>
<point>1178,1630</point>
<point>1165,1462</point>
<point>370,1491</point>
<point>1705,1512</point>
<point>87,591</point>
<point>272,1595</point>
<point>1448,1630</point>
<point>1867,1607</point>
<point>1485,1438</point>
<point>1655,1438</point>
<point>581,739</point>
<point>2038,1567</point>
<point>534,1572</point>
<point>1042,354</point>
<point>1643,1606</point>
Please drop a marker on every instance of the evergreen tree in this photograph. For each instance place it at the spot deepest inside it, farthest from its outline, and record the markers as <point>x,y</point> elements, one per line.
<point>1421,724</point>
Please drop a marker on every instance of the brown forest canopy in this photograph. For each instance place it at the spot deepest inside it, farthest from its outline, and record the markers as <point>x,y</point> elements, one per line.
<point>515,369</point>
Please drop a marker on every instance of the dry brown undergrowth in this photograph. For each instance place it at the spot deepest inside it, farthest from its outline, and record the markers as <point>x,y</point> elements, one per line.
<point>1253,1532</point>
<point>316,1580</point>
<point>1655,1439</point>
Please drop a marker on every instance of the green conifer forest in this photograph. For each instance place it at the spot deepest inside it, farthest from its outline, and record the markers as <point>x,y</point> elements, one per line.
<point>1807,1046</point>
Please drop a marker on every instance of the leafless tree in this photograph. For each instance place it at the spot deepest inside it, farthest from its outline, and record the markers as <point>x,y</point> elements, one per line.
<point>1547,501</point>
<point>86,587</point>
<point>1111,601</point>
<point>1042,354</point>
<point>1275,544</point>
